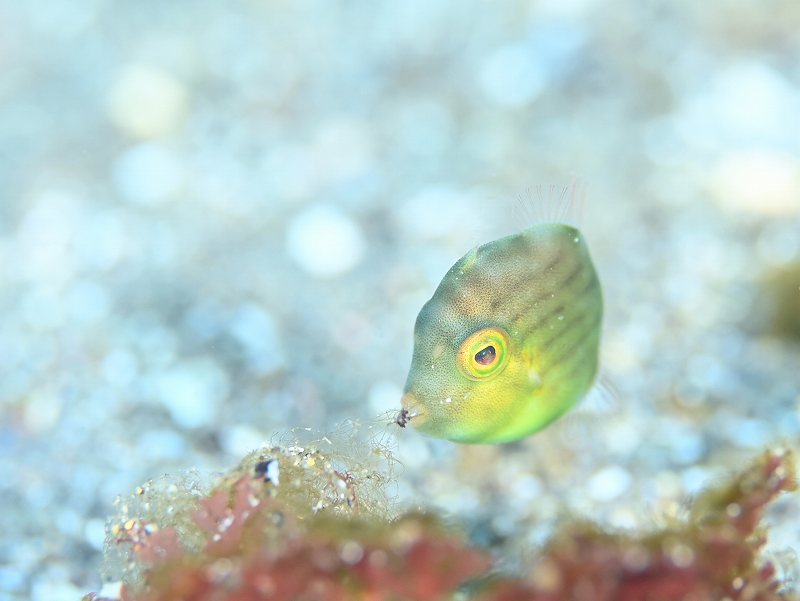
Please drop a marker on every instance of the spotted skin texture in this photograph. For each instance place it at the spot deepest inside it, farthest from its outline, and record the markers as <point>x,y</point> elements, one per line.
<point>540,291</point>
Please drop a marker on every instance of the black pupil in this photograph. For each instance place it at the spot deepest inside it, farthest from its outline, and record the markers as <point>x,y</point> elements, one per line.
<point>486,356</point>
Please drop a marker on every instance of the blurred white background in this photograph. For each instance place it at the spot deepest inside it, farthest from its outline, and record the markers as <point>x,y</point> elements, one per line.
<point>219,220</point>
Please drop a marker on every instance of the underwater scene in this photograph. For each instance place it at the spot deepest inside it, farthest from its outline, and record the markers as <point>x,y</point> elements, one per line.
<point>399,301</point>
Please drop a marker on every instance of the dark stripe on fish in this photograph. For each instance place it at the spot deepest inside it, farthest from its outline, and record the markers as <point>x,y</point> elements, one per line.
<point>573,274</point>
<point>576,361</point>
<point>567,329</point>
<point>547,317</point>
<point>555,361</point>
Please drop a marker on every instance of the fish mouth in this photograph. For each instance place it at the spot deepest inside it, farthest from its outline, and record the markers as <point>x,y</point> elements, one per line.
<point>412,412</point>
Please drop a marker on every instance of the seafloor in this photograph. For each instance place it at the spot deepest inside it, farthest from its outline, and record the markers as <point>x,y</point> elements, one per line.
<point>219,220</point>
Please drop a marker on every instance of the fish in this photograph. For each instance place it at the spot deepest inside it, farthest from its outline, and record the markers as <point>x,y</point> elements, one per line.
<point>509,341</point>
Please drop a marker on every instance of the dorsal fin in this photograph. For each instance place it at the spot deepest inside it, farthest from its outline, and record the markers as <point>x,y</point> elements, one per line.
<point>551,203</point>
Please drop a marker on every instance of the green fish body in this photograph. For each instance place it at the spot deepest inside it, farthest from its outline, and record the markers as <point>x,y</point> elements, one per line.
<point>509,341</point>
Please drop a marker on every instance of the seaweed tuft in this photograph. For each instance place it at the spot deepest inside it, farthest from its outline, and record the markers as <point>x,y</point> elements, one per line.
<point>259,533</point>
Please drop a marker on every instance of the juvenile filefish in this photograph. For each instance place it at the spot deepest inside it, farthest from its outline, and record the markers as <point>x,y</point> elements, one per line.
<point>509,341</point>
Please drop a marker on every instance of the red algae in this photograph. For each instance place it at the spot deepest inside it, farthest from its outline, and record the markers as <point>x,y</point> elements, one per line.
<point>713,555</point>
<point>257,546</point>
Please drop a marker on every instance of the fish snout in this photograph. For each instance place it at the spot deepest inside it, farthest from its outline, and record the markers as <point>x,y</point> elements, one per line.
<point>412,412</point>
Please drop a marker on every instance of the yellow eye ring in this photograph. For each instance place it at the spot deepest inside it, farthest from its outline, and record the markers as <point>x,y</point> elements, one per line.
<point>484,353</point>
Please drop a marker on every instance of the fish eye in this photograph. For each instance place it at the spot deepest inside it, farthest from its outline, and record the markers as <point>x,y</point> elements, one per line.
<point>486,356</point>
<point>483,354</point>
